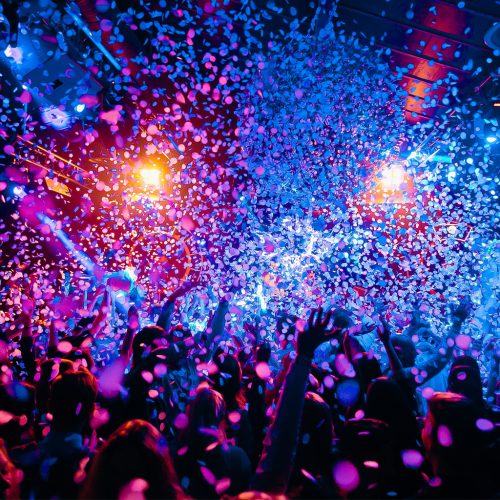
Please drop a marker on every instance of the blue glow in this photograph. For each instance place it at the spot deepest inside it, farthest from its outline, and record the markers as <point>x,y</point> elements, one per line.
<point>19,191</point>
<point>80,256</point>
<point>15,53</point>
<point>55,117</point>
<point>452,174</point>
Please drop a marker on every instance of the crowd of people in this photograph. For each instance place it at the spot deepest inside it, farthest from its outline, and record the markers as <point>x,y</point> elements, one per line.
<point>311,411</point>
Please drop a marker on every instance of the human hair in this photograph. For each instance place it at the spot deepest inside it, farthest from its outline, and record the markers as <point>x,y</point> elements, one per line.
<point>148,338</point>
<point>367,368</point>
<point>49,369</point>
<point>227,380</point>
<point>316,435</point>
<point>465,379</point>
<point>405,349</point>
<point>136,451</point>
<point>10,477</point>
<point>71,401</point>
<point>455,445</point>
<point>205,420</point>
<point>385,401</point>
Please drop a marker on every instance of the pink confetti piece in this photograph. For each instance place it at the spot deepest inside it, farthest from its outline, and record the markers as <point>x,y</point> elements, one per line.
<point>263,371</point>
<point>444,436</point>
<point>412,459</point>
<point>208,475</point>
<point>346,475</point>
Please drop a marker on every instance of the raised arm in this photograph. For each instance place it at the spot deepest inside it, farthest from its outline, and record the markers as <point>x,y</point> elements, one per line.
<point>436,363</point>
<point>384,334</point>
<point>168,307</point>
<point>280,444</point>
<point>132,327</point>
<point>216,326</point>
<point>26,344</point>
<point>257,400</point>
<point>352,347</point>
<point>102,314</point>
<point>493,375</point>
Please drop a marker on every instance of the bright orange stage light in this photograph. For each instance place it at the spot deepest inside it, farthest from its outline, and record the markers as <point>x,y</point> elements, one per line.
<point>389,184</point>
<point>151,177</point>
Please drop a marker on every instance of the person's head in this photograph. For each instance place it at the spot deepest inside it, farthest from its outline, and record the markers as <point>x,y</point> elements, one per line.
<point>405,349</point>
<point>49,370</point>
<point>205,414</point>
<point>227,380</point>
<point>367,368</point>
<point>179,339</point>
<point>316,435</point>
<point>134,459</point>
<point>365,441</point>
<point>385,401</point>
<point>342,318</point>
<point>179,333</point>
<point>149,338</point>
<point>71,401</point>
<point>80,357</point>
<point>17,399</point>
<point>452,437</point>
<point>465,379</point>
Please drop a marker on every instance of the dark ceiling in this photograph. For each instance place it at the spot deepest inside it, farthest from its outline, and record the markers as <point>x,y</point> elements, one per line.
<point>436,48</point>
<point>438,41</point>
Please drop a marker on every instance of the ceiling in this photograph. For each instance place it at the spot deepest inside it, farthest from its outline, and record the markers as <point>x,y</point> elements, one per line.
<point>433,45</point>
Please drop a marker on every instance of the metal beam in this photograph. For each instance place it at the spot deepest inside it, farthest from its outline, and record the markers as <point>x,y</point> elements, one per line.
<point>427,117</point>
<point>421,56</point>
<point>425,80</point>
<point>420,27</point>
<point>471,10</point>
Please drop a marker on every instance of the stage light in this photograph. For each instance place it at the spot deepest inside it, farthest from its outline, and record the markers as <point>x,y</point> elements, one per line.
<point>79,108</point>
<point>55,117</point>
<point>491,139</point>
<point>19,192</point>
<point>393,176</point>
<point>14,53</point>
<point>151,177</point>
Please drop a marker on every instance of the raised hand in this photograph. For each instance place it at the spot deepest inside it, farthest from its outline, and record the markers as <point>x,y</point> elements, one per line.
<point>384,331</point>
<point>461,311</point>
<point>181,290</point>
<point>315,333</point>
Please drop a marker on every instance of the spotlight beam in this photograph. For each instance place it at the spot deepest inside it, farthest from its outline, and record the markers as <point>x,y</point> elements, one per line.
<point>91,37</point>
<point>80,256</point>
